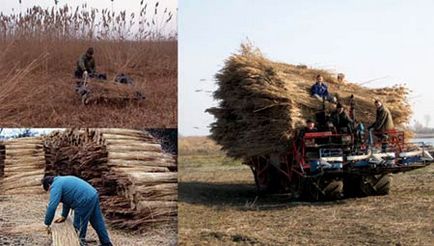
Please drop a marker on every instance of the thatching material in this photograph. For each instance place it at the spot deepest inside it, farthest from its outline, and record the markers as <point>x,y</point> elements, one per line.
<point>2,159</point>
<point>63,234</point>
<point>23,166</point>
<point>262,103</point>
<point>125,174</point>
<point>136,179</point>
<point>112,91</point>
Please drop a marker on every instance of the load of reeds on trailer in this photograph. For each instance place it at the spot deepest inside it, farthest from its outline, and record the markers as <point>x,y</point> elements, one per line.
<point>262,103</point>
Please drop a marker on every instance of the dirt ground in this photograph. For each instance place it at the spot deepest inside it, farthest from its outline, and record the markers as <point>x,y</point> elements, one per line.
<point>218,206</point>
<point>21,223</point>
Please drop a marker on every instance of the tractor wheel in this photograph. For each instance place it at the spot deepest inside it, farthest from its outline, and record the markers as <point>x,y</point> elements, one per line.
<point>334,190</point>
<point>376,185</point>
<point>327,190</point>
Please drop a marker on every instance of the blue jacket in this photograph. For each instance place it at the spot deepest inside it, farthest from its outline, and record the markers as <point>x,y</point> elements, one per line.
<point>320,90</point>
<point>73,192</point>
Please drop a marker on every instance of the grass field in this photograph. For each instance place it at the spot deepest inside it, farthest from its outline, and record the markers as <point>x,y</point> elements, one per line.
<point>22,223</point>
<point>218,205</point>
<point>38,55</point>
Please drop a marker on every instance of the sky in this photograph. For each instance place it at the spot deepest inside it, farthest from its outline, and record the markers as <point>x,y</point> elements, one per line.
<point>118,5</point>
<point>11,132</point>
<point>388,39</point>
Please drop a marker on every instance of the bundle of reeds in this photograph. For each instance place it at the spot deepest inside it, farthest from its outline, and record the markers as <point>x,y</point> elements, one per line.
<point>112,91</point>
<point>2,159</point>
<point>64,234</point>
<point>128,168</point>
<point>145,176</point>
<point>23,166</point>
<point>262,103</point>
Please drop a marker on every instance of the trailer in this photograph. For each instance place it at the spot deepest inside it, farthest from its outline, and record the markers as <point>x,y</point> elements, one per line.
<point>327,165</point>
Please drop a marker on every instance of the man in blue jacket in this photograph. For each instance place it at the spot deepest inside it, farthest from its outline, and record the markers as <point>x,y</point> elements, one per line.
<point>320,90</point>
<point>79,195</point>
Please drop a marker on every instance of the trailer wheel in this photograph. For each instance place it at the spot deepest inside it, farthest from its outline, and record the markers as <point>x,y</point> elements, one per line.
<point>376,185</point>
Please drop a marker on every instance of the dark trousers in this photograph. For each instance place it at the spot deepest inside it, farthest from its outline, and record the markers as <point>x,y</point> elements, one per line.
<point>91,212</point>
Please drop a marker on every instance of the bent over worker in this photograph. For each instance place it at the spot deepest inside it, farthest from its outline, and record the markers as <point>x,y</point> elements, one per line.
<point>86,63</point>
<point>79,195</point>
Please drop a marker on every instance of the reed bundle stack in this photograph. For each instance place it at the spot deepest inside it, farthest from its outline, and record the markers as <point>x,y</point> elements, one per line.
<point>134,177</point>
<point>23,166</point>
<point>262,103</point>
<point>2,158</point>
<point>112,91</point>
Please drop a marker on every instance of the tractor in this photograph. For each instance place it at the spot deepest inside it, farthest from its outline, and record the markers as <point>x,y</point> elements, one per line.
<point>327,165</point>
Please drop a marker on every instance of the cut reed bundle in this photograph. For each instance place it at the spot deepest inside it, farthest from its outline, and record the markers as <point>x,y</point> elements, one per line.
<point>262,103</point>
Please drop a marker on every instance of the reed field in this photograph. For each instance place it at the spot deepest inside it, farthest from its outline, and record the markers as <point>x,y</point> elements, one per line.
<point>39,49</point>
<point>219,206</point>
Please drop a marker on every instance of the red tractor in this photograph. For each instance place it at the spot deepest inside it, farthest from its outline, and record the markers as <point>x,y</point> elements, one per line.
<point>326,165</point>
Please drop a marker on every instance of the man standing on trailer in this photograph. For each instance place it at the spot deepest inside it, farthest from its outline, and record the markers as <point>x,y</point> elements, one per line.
<point>79,195</point>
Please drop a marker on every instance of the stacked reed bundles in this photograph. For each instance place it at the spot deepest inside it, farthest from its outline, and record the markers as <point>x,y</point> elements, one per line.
<point>2,158</point>
<point>145,175</point>
<point>112,91</point>
<point>127,167</point>
<point>64,234</point>
<point>23,166</point>
<point>262,103</point>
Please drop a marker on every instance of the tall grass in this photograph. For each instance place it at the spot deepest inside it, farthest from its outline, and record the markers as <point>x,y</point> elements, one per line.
<point>39,48</point>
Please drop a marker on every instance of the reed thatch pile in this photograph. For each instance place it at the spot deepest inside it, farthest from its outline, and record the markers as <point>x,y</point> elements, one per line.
<point>262,103</point>
<point>136,180</point>
<point>23,166</point>
<point>2,158</point>
<point>113,92</point>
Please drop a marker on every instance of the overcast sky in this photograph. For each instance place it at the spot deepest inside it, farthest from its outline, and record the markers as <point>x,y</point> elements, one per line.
<point>118,5</point>
<point>363,39</point>
<point>11,132</point>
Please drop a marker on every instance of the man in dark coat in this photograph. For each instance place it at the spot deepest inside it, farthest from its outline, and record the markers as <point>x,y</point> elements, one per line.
<point>383,121</point>
<point>341,120</point>
<point>86,63</point>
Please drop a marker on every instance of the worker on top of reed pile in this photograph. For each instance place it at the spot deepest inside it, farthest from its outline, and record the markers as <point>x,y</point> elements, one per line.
<point>86,63</point>
<point>79,195</point>
<point>383,121</point>
<point>319,90</point>
<point>341,120</point>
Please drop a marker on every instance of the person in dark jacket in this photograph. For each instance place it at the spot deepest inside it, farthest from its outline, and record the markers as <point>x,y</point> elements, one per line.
<point>86,63</point>
<point>341,120</point>
<point>383,121</point>
<point>77,194</point>
<point>320,90</point>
